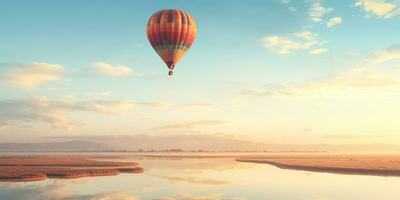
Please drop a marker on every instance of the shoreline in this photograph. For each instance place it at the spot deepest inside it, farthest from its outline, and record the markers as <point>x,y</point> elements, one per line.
<point>37,168</point>
<point>353,166</point>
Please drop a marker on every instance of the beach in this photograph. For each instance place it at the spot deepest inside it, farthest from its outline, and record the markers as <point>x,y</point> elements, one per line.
<point>378,165</point>
<point>40,167</point>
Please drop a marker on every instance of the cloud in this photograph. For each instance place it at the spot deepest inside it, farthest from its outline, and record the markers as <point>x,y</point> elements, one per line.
<point>195,106</point>
<point>379,8</point>
<point>57,190</point>
<point>189,125</point>
<point>4,125</point>
<point>284,45</point>
<point>318,51</point>
<point>194,180</point>
<point>338,83</point>
<point>183,107</point>
<point>292,9</point>
<point>317,11</point>
<point>156,104</point>
<point>381,56</point>
<point>57,120</point>
<point>30,75</point>
<point>358,136</point>
<point>333,21</point>
<point>40,108</point>
<point>110,70</point>
<point>189,196</point>
<point>99,106</point>
<point>113,195</point>
<point>34,109</point>
<point>365,76</point>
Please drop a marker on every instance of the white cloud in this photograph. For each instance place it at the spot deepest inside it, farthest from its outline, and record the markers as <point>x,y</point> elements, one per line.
<point>183,107</point>
<point>156,104</point>
<point>384,55</point>
<point>285,1</point>
<point>193,180</point>
<point>379,8</point>
<point>393,14</point>
<point>318,51</point>
<point>30,75</point>
<point>334,21</point>
<point>292,9</point>
<point>336,84</point>
<point>57,120</point>
<point>317,11</point>
<point>106,106</point>
<point>110,70</point>
<point>4,125</point>
<point>284,45</point>
<point>98,106</point>
<point>364,77</point>
<point>188,125</point>
<point>39,108</point>
<point>197,106</point>
<point>188,196</point>
<point>60,190</point>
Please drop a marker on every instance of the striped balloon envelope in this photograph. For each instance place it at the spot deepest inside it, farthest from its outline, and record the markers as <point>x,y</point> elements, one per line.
<point>171,32</point>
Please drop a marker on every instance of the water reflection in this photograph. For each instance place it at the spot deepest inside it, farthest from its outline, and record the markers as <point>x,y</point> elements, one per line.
<point>208,179</point>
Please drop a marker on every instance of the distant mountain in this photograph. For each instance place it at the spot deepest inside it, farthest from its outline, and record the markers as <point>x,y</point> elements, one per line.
<point>186,143</point>
<point>221,143</point>
<point>75,145</point>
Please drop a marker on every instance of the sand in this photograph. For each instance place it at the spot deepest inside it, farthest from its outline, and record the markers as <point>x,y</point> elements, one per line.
<point>379,165</point>
<point>35,168</point>
<point>40,167</point>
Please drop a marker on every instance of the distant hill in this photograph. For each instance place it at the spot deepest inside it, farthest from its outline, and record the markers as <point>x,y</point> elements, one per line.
<point>75,145</point>
<point>186,143</point>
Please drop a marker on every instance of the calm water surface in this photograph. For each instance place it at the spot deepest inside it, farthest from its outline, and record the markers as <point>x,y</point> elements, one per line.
<point>208,179</point>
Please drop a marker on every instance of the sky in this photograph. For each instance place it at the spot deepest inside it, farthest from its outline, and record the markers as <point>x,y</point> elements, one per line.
<point>276,71</point>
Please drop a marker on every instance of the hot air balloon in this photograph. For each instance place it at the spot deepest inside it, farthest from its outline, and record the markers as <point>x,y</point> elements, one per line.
<point>171,32</point>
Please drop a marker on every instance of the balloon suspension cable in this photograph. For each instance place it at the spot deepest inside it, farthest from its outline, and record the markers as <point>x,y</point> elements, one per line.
<point>170,70</point>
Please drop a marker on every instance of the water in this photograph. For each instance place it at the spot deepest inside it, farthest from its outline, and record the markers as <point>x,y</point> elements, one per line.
<point>208,179</point>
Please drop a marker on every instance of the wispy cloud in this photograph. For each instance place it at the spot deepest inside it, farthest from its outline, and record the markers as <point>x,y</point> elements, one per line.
<point>111,70</point>
<point>384,55</point>
<point>111,195</point>
<point>365,76</point>
<point>156,104</point>
<point>188,125</point>
<point>42,109</point>
<point>287,44</point>
<point>100,106</point>
<point>195,106</point>
<point>189,196</point>
<point>183,107</point>
<point>318,51</point>
<point>357,136</point>
<point>334,21</point>
<point>379,8</point>
<point>317,11</point>
<point>4,125</point>
<point>59,190</point>
<point>30,75</point>
<point>190,179</point>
